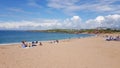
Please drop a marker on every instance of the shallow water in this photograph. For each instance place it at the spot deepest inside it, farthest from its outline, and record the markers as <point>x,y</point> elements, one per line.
<point>18,36</point>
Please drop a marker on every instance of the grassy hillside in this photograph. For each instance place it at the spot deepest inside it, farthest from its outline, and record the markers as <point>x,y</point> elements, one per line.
<point>94,31</point>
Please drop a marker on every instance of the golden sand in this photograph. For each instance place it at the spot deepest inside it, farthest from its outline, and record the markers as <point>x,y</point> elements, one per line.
<point>92,52</point>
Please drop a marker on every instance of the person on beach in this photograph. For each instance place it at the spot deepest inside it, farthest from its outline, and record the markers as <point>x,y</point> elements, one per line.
<point>35,43</point>
<point>40,43</point>
<point>24,44</point>
<point>57,41</point>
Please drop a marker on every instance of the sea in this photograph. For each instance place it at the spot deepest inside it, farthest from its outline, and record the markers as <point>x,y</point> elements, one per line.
<point>16,36</point>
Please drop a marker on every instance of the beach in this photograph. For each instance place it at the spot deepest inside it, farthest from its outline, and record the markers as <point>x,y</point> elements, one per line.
<point>90,52</point>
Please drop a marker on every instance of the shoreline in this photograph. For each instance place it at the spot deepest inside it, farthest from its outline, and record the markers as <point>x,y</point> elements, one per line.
<point>17,43</point>
<point>88,52</point>
<point>94,35</point>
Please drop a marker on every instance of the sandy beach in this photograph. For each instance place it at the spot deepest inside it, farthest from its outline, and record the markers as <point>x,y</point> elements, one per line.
<point>91,52</point>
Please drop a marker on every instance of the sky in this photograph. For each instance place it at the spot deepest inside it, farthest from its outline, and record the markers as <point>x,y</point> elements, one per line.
<point>59,14</point>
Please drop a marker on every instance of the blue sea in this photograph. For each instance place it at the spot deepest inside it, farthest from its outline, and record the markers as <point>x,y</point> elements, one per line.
<point>8,36</point>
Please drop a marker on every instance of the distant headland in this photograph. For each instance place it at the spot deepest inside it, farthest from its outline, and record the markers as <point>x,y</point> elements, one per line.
<point>78,31</point>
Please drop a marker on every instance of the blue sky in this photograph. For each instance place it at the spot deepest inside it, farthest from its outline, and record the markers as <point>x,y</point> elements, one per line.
<point>48,14</point>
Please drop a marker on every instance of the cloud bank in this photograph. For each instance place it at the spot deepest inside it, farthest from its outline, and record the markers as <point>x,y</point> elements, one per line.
<point>75,22</point>
<point>110,21</point>
<point>70,7</point>
<point>110,6</point>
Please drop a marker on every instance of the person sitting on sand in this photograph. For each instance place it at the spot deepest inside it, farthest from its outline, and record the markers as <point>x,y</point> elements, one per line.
<point>37,43</point>
<point>110,38</point>
<point>24,44</point>
<point>34,43</point>
<point>117,38</point>
<point>40,43</point>
<point>57,41</point>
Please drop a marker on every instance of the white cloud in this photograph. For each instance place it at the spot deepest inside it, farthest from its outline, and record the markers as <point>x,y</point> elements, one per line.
<point>15,9</point>
<point>61,4</point>
<point>76,18</point>
<point>18,10</point>
<point>43,24</point>
<point>73,23</point>
<point>34,4</point>
<point>100,19</point>
<point>110,21</point>
<point>69,6</point>
<point>28,25</point>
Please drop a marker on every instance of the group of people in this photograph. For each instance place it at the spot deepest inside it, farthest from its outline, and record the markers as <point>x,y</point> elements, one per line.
<point>112,38</point>
<point>56,41</point>
<point>34,43</point>
<point>26,44</point>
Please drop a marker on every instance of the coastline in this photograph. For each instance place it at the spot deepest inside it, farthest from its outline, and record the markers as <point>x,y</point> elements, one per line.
<point>17,43</point>
<point>89,52</point>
